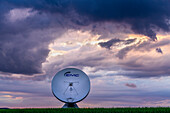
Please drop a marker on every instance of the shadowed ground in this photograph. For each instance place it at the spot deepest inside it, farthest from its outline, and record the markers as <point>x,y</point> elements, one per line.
<point>89,110</point>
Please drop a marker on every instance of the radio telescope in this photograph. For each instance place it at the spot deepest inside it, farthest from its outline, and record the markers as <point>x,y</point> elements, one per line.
<point>70,86</point>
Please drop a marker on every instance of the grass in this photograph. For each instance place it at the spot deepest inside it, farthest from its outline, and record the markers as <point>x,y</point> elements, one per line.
<point>89,110</point>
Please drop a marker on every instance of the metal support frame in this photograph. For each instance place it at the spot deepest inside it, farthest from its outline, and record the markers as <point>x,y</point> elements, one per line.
<point>70,105</point>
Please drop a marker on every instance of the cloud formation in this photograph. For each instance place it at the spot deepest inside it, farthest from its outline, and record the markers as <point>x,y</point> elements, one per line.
<point>24,40</point>
<point>26,37</point>
<point>116,42</point>
<point>131,85</point>
<point>159,50</point>
<point>144,16</point>
<point>111,42</point>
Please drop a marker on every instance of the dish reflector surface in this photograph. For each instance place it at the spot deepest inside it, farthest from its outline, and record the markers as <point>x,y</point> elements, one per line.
<point>70,85</point>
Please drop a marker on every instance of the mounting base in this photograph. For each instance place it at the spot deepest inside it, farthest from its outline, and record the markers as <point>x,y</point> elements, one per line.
<point>70,105</point>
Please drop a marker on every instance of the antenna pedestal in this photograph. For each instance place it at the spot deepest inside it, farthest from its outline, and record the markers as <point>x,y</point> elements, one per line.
<point>70,105</point>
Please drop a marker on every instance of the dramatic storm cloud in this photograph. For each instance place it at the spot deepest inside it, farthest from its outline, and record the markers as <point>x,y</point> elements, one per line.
<point>122,45</point>
<point>25,35</point>
<point>24,54</point>
<point>144,16</point>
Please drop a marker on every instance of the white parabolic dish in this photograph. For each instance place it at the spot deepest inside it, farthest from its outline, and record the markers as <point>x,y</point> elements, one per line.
<point>70,85</point>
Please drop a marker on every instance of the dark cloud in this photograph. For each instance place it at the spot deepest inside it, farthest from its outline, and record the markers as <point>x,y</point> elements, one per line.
<point>142,15</point>
<point>122,53</point>
<point>24,43</point>
<point>111,42</point>
<point>159,50</point>
<point>131,85</point>
<point>23,53</point>
<point>140,46</point>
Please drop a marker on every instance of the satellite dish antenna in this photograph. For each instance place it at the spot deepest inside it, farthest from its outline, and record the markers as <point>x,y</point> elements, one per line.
<point>70,86</point>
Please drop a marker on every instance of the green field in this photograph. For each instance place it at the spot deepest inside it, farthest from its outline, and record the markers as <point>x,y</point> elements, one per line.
<point>88,110</point>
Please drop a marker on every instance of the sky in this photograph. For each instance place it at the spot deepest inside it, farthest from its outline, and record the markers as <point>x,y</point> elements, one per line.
<point>122,45</point>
